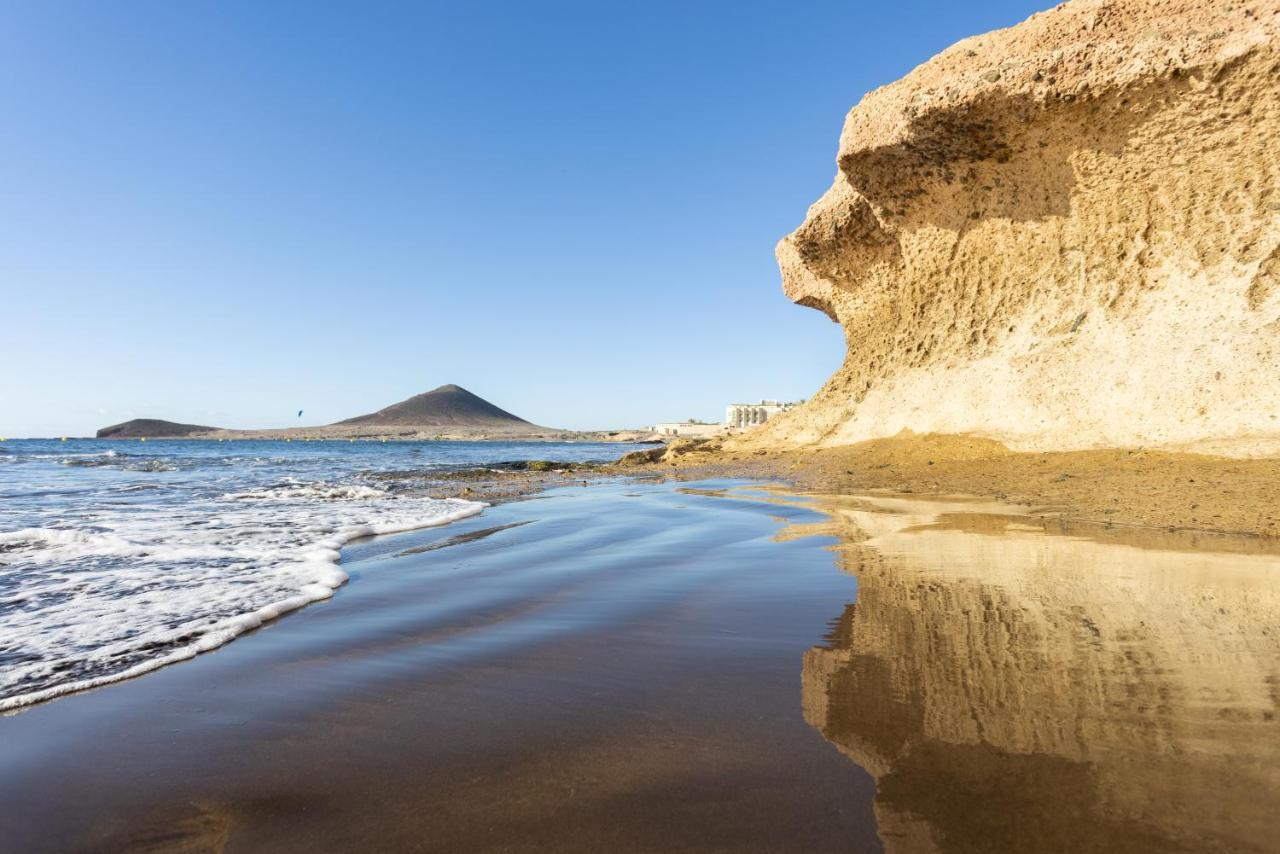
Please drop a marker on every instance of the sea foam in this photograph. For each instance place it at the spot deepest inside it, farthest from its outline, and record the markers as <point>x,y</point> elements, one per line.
<point>120,588</point>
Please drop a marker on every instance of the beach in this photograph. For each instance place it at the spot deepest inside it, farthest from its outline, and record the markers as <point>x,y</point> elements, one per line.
<point>608,668</point>
<point>348,504</point>
<point>1200,495</point>
<point>641,665</point>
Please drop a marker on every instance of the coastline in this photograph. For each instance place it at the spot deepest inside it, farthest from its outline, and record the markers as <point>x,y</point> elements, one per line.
<point>350,433</point>
<point>993,568</point>
<point>1137,488</point>
<point>161,552</point>
<point>591,670</point>
<point>227,630</point>
<point>702,664</point>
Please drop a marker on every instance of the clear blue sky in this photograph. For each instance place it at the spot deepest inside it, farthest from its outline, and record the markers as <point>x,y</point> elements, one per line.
<point>226,212</point>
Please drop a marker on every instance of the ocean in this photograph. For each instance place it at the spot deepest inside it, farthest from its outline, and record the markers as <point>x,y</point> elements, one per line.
<point>118,557</point>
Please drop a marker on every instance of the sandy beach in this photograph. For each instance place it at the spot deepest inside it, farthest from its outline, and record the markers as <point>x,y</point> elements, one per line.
<point>612,668</point>
<point>406,444</point>
<point>642,665</point>
<point>1139,488</point>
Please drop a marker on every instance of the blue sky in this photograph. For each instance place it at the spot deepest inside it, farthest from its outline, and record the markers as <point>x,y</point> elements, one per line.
<point>223,213</point>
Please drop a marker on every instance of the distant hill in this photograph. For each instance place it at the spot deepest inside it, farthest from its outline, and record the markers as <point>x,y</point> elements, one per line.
<point>150,428</point>
<point>449,411</point>
<point>446,406</point>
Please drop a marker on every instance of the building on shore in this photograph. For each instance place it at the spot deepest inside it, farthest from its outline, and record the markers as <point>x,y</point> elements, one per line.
<point>693,429</point>
<point>737,416</point>
<point>742,415</point>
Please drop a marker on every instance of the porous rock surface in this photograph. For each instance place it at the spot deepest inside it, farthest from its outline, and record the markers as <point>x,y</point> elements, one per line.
<point>1061,235</point>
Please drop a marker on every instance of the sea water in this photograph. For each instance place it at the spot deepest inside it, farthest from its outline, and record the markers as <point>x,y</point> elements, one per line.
<point>118,557</point>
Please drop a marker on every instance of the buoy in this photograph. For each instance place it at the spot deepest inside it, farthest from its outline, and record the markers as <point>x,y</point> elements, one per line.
<point>142,438</point>
<point>64,438</point>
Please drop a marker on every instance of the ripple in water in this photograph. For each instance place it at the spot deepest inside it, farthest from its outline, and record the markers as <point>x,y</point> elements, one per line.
<point>113,563</point>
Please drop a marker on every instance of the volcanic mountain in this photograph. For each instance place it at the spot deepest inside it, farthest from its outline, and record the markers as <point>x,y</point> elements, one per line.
<point>150,427</point>
<point>446,406</point>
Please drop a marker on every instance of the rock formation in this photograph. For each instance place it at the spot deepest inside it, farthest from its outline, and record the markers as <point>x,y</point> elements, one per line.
<point>1065,234</point>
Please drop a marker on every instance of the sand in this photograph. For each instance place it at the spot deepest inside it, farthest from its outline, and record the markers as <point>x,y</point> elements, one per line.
<point>1114,487</point>
<point>1014,689</point>
<point>603,669</point>
<point>709,666</point>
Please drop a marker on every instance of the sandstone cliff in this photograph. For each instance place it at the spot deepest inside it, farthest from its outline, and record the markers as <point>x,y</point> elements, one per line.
<point>1062,235</point>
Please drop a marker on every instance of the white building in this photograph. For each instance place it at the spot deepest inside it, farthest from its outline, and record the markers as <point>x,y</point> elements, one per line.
<point>743,415</point>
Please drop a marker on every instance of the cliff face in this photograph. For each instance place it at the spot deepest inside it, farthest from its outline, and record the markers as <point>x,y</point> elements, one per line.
<point>1063,235</point>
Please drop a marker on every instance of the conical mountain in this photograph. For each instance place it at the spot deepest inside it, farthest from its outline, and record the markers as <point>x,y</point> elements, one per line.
<point>446,406</point>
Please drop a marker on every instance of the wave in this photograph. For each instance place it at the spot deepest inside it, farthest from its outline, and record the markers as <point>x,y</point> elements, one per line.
<point>126,590</point>
<point>64,454</point>
<point>320,491</point>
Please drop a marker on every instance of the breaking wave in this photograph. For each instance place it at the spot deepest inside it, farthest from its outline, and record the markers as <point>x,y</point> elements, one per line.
<point>120,590</point>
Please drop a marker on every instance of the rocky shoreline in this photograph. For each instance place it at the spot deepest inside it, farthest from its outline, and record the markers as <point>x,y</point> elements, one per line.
<point>509,481</point>
<point>1129,487</point>
<point>1118,487</point>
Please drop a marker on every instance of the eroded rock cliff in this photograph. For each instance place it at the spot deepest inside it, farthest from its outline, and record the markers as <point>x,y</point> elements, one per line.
<point>1063,235</point>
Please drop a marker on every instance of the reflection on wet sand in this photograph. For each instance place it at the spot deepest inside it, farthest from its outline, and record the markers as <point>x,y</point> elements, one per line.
<point>1015,689</point>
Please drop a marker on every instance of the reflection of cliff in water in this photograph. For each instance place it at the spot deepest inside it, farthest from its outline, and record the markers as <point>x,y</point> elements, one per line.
<point>1014,690</point>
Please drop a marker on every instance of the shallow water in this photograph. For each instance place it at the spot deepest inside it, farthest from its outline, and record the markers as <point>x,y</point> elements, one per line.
<point>1016,689</point>
<point>119,557</point>
<point>612,667</point>
<point>649,666</point>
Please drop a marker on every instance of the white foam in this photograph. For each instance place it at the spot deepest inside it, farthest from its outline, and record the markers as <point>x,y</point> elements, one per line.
<point>122,590</point>
<point>71,454</point>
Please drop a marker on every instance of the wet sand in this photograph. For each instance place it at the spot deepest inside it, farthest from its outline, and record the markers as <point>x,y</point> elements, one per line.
<point>618,672</point>
<point>1013,688</point>
<point>701,667</point>
<point>1132,487</point>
